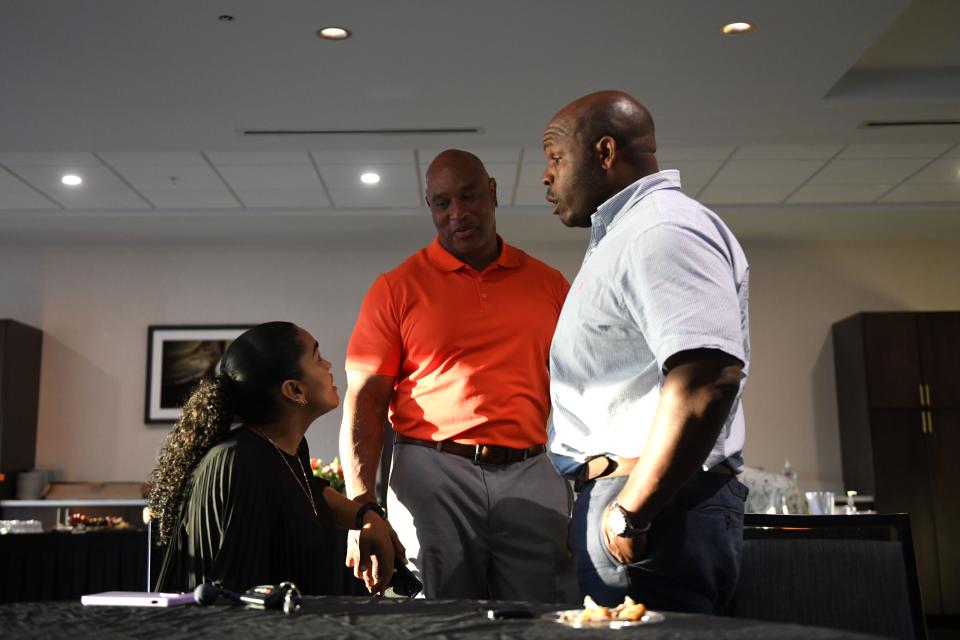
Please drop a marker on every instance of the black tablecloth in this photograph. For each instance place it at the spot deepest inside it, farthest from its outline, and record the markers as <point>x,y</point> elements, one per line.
<point>358,618</point>
<point>63,565</point>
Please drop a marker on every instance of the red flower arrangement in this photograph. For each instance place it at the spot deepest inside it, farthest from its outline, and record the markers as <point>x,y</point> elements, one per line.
<point>332,473</point>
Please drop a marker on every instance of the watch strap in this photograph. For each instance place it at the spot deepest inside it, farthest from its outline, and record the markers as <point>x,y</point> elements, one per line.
<point>369,506</point>
<point>632,528</point>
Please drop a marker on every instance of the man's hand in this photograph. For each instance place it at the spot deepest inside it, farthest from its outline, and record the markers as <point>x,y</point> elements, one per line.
<point>374,557</point>
<point>625,550</point>
<point>353,547</point>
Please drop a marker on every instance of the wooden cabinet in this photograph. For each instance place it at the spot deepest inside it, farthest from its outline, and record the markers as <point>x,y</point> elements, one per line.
<point>20,347</point>
<point>898,398</point>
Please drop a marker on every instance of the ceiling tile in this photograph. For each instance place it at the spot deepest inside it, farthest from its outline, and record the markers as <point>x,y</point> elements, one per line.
<point>887,171</point>
<point>693,173</point>
<point>532,196</point>
<point>532,155</point>
<point>191,199</point>
<point>392,176</point>
<point>172,178</point>
<point>62,160</point>
<point>363,156</point>
<point>101,200</point>
<point>766,172</point>
<point>375,198</point>
<point>924,193</point>
<point>690,152</point>
<point>505,173</point>
<point>786,152</point>
<point>284,198</point>
<point>942,171</point>
<point>9,183</point>
<point>718,194</point>
<point>843,193</point>
<point>270,177</point>
<point>137,159</point>
<point>258,158</point>
<point>530,175</point>
<point>27,199</point>
<point>925,150</point>
<point>47,179</point>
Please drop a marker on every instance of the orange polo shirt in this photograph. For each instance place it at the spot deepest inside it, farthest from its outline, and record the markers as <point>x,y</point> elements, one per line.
<point>469,350</point>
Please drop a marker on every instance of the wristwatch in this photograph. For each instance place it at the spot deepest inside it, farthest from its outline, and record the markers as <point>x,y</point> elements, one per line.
<point>369,506</point>
<point>624,523</point>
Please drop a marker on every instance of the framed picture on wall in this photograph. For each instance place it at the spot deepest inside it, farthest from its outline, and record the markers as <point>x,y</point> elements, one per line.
<point>178,357</point>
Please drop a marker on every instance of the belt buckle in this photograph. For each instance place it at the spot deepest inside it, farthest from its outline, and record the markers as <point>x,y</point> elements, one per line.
<point>477,449</point>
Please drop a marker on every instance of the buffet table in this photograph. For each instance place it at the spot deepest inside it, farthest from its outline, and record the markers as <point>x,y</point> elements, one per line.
<point>343,617</point>
<point>60,565</point>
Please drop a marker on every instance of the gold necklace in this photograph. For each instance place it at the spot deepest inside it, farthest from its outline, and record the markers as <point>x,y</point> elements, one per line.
<point>307,492</point>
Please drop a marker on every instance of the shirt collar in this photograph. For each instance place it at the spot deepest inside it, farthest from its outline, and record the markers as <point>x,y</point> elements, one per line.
<point>442,259</point>
<point>620,202</point>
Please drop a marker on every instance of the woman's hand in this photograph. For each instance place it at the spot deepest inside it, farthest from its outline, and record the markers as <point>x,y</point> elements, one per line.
<point>375,552</point>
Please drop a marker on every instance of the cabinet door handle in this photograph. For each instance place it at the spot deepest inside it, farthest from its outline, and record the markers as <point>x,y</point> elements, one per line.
<point>923,401</point>
<point>929,422</point>
<point>923,422</point>
<point>927,388</point>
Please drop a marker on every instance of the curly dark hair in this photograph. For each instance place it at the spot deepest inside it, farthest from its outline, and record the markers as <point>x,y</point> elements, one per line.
<point>253,367</point>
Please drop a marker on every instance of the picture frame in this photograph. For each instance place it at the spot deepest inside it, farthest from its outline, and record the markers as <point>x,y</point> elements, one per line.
<point>178,357</point>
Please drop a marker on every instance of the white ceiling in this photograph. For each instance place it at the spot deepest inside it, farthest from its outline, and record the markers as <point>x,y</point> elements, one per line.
<point>147,100</point>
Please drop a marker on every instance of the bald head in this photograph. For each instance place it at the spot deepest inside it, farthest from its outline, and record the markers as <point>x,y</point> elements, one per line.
<point>610,113</point>
<point>458,161</point>
<point>595,147</point>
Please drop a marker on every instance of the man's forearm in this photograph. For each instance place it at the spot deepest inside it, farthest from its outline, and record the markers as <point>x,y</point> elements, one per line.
<point>361,445</point>
<point>694,405</point>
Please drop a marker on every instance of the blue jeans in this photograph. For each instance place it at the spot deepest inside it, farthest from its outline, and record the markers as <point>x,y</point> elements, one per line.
<point>692,559</point>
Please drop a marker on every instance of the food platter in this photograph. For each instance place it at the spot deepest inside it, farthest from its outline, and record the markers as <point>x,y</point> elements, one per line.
<point>571,618</point>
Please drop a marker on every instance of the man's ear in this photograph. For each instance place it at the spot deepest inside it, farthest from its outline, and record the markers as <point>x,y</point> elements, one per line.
<point>493,191</point>
<point>606,150</point>
<point>293,391</point>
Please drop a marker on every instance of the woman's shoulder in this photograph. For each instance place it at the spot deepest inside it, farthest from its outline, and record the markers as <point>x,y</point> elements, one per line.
<point>236,448</point>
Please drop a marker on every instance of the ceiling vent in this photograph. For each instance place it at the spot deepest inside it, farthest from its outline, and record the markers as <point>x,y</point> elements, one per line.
<point>886,124</point>
<point>362,132</point>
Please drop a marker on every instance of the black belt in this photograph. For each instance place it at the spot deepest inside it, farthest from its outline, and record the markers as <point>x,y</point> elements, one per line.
<point>613,467</point>
<point>478,453</point>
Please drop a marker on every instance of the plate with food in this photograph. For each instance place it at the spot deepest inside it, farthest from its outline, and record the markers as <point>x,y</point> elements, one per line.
<point>592,616</point>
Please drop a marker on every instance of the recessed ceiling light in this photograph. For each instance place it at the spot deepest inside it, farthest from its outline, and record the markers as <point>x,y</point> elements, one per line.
<point>735,28</point>
<point>225,18</point>
<point>71,180</point>
<point>370,178</point>
<point>334,33</point>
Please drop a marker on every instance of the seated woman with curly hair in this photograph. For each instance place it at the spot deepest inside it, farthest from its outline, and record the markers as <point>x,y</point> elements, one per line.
<point>234,503</point>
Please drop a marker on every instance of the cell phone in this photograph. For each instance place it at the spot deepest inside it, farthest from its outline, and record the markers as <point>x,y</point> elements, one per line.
<point>403,582</point>
<point>509,614</point>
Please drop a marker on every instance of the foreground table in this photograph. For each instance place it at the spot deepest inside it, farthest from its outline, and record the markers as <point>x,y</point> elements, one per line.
<point>342,617</point>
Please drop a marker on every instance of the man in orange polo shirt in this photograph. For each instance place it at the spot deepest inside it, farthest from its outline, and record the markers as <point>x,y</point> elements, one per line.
<point>454,345</point>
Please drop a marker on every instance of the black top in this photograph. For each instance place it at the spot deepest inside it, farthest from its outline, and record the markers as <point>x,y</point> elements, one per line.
<point>247,521</point>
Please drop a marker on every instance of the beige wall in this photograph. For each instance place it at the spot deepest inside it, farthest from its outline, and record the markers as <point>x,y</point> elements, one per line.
<point>95,301</point>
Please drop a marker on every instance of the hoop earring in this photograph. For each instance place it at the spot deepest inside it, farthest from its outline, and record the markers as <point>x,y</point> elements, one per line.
<point>302,402</point>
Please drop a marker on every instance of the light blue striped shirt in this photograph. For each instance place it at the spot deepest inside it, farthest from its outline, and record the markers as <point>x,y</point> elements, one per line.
<point>662,274</point>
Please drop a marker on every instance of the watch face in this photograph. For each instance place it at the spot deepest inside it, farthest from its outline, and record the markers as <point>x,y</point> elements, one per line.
<point>617,522</point>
